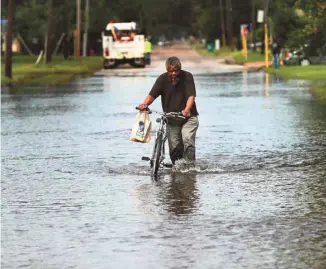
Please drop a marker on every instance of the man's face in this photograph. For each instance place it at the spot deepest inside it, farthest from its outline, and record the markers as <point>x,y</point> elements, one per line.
<point>173,73</point>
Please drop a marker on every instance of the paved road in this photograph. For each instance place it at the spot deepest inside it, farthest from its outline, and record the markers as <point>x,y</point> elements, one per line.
<point>190,59</point>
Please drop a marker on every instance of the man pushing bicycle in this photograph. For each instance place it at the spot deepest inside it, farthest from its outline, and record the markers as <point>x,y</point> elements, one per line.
<point>177,90</point>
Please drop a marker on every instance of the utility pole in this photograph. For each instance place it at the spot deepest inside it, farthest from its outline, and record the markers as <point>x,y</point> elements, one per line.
<point>222,24</point>
<point>77,32</point>
<point>230,23</point>
<point>86,28</point>
<point>8,55</point>
<point>253,24</point>
<point>66,31</point>
<point>266,32</point>
<point>264,25</point>
<point>49,38</point>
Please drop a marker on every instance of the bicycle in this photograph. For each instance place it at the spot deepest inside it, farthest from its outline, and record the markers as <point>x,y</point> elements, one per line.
<point>158,153</point>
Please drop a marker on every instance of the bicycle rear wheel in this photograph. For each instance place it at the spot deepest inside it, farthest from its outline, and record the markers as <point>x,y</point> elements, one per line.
<point>157,155</point>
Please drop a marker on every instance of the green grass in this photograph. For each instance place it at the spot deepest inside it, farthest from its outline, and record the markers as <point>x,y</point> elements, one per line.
<point>203,51</point>
<point>252,57</point>
<point>60,71</point>
<point>236,54</point>
<point>311,72</point>
<point>314,73</point>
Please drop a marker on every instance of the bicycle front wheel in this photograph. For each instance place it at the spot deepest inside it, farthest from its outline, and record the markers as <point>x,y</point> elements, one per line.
<point>157,154</point>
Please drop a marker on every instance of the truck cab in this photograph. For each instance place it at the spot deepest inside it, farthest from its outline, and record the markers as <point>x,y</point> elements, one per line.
<point>123,44</point>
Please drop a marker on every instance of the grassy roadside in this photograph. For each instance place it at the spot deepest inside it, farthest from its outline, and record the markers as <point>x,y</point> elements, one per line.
<point>236,54</point>
<point>60,71</point>
<point>311,72</point>
<point>316,74</point>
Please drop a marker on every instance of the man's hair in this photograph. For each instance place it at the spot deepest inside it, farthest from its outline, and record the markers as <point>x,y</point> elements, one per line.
<point>173,61</point>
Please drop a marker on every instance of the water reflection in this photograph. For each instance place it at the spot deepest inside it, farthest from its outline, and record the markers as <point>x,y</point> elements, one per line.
<point>173,194</point>
<point>245,83</point>
<point>266,84</point>
<point>181,194</point>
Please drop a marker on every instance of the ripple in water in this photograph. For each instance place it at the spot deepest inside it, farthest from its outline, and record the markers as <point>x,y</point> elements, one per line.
<point>201,166</point>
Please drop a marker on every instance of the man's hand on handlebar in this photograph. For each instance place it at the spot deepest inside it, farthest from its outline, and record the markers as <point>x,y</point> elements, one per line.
<point>142,107</point>
<point>186,113</point>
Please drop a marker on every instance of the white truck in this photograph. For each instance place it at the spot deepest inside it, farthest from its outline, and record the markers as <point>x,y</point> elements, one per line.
<point>121,44</point>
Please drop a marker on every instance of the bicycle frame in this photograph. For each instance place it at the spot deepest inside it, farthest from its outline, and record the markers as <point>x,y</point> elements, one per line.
<point>158,153</point>
<point>160,132</point>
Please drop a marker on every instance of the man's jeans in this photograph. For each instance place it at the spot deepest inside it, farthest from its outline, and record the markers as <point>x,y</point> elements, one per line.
<point>181,140</point>
<point>276,60</point>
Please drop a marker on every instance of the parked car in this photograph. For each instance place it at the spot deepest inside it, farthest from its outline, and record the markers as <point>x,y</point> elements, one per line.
<point>303,57</point>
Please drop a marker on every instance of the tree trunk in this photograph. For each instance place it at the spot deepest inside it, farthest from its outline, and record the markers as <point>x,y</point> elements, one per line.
<point>266,2</point>
<point>222,24</point>
<point>66,31</point>
<point>142,20</point>
<point>85,37</point>
<point>253,24</point>
<point>77,35</point>
<point>230,23</point>
<point>8,53</point>
<point>49,38</point>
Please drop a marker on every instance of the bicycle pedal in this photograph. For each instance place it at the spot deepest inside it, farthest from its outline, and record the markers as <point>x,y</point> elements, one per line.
<point>145,158</point>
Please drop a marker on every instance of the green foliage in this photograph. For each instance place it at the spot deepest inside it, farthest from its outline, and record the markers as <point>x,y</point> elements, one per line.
<point>297,22</point>
<point>207,22</point>
<point>31,19</point>
<point>293,21</point>
<point>287,25</point>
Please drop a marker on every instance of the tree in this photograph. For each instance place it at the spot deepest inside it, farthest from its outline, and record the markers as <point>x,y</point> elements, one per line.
<point>8,55</point>
<point>297,22</point>
<point>174,18</point>
<point>65,27</point>
<point>230,23</point>
<point>222,23</point>
<point>50,34</point>
<point>253,23</point>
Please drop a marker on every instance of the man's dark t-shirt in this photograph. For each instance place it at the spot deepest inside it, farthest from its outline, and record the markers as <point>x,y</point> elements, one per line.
<point>174,97</point>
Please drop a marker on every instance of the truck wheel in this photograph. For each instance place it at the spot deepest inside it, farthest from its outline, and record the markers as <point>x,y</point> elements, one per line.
<point>132,63</point>
<point>137,63</point>
<point>142,63</point>
<point>109,65</point>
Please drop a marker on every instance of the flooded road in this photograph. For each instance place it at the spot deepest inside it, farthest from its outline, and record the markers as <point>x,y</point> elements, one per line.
<point>75,193</point>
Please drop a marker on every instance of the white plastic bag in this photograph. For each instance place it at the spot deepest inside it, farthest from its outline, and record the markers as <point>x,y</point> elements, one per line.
<point>141,130</point>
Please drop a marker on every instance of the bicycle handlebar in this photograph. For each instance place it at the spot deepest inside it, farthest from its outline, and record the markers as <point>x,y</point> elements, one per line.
<point>166,114</point>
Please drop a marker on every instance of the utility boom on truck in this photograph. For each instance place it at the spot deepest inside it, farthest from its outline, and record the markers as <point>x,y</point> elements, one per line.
<point>121,44</point>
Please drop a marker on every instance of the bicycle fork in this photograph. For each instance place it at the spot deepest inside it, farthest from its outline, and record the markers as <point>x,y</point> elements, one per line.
<point>162,157</point>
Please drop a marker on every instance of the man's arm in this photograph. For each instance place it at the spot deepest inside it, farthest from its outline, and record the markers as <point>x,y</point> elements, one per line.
<point>148,100</point>
<point>191,94</point>
<point>189,104</point>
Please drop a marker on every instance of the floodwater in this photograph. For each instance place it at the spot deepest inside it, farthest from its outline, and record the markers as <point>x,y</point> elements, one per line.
<point>76,194</point>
